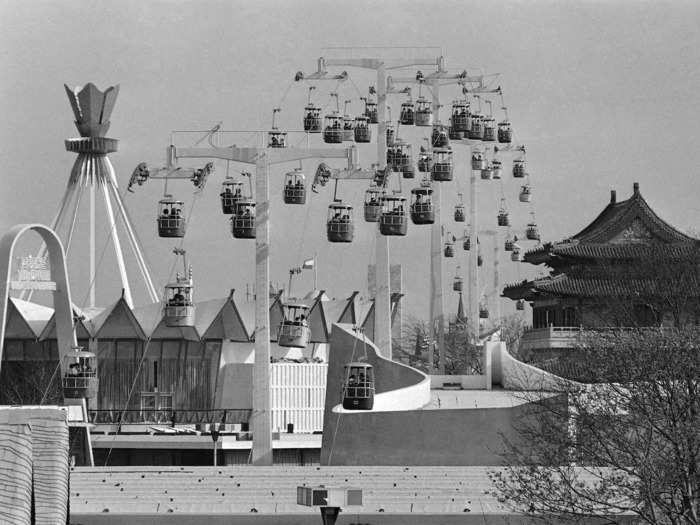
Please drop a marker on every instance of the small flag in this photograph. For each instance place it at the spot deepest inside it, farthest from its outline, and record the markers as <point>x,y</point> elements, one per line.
<point>308,264</point>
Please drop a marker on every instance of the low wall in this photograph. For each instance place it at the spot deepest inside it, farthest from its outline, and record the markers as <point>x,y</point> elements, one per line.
<point>34,459</point>
<point>466,382</point>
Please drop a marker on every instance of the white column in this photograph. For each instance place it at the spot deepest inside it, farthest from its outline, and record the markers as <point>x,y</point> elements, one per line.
<point>261,421</point>
<point>437,307</point>
<point>473,254</point>
<point>382,296</point>
<point>91,298</point>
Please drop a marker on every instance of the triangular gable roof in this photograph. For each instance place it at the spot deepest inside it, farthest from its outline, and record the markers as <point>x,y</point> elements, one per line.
<point>25,320</point>
<point>276,316</point>
<point>84,327</point>
<point>118,322</point>
<point>339,311</point>
<point>368,322</point>
<point>228,323</point>
<point>617,217</point>
<point>150,317</point>
<point>317,320</point>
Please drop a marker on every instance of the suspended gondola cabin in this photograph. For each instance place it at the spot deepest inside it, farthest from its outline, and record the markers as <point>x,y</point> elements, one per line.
<point>80,377</point>
<point>476,127</point>
<point>525,193</point>
<point>458,282</point>
<point>400,156</point>
<point>390,134</point>
<point>371,112</point>
<point>496,168</point>
<point>393,220</point>
<point>505,132</point>
<point>487,172</point>
<point>489,125</point>
<point>442,170</point>
<point>312,119</point>
<point>460,116</point>
<point>515,254</point>
<point>294,331</point>
<point>171,221</point>
<point>295,187</point>
<point>425,161</point>
<point>459,213</point>
<point>276,139</point>
<point>243,220</point>
<point>363,133</point>
<point>179,306</point>
<point>373,203</point>
<point>483,312</point>
<point>478,160</point>
<point>467,242</point>
<point>407,117</point>
<point>439,137</point>
<point>532,232</point>
<point>424,112</point>
<point>449,247</point>
<point>519,168</point>
<point>503,218</point>
<point>358,387</point>
<point>509,244</point>
<point>231,192</point>
<point>340,226</point>
<point>422,209</point>
<point>333,129</point>
<point>520,304</point>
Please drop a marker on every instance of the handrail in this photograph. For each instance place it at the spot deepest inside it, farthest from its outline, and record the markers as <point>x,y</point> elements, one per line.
<point>172,417</point>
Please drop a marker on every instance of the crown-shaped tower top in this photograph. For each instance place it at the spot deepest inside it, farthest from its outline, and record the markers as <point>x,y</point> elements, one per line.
<point>92,108</point>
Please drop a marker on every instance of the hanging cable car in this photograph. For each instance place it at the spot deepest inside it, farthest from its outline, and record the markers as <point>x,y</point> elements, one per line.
<point>293,331</point>
<point>295,187</point>
<point>348,125</point>
<point>312,115</point>
<point>171,221</point>
<point>453,133</point>
<point>520,304</point>
<point>275,137</point>
<point>422,209</point>
<point>479,259</point>
<point>425,160</point>
<point>340,226</point>
<point>519,168</point>
<point>390,134</point>
<point>178,309</point>
<point>532,232</point>
<point>363,132</point>
<point>243,220</point>
<point>400,156</point>
<point>476,127</point>
<point>393,220</point>
<point>525,193</point>
<point>460,117</point>
<point>424,112</point>
<point>467,242</point>
<point>333,129</point>
<point>496,168</point>
<point>439,137</point>
<point>80,379</point>
<point>489,125</point>
<point>478,160</point>
<point>449,250</point>
<point>505,132</point>
<point>373,203</point>
<point>510,243</point>
<point>407,114</point>
<point>371,111</point>
<point>483,311</point>
<point>459,210</point>
<point>358,387</point>
<point>503,219</point>
<point>231,192</point>
<point>515,254</point>
<point>442,169</point>
<point>458,282</point>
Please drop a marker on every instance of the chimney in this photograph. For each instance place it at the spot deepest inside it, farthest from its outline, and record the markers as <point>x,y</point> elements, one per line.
<point>613,196</point>
<point>635,188</point>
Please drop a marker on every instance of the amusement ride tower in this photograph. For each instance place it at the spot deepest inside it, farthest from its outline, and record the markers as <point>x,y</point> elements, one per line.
<point>93,170</point>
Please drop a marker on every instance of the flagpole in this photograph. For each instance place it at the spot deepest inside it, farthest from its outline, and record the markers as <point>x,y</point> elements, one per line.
<point>315,269</point>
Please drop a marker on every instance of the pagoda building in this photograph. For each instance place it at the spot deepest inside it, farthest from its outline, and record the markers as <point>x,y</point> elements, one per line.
<point>627,268</point>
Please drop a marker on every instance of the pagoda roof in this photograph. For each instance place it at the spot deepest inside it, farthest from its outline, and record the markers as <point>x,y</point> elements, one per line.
<point>627,229</point>
<point>565,285</point>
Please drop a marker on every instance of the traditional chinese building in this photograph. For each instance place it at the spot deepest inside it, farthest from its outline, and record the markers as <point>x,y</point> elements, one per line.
<point>626,268</point>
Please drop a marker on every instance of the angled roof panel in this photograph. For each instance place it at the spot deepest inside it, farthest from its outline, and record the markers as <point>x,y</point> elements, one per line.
<point>119,322</point>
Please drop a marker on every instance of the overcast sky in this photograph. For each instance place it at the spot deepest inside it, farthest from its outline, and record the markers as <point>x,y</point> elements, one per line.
<point>603,94</point>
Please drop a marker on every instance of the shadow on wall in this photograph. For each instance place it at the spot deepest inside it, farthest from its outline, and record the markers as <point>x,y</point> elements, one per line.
<point>427,437</point>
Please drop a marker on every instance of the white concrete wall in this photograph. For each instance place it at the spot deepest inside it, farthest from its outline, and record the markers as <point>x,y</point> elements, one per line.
<point>298,396</point>
<point>466,382</point>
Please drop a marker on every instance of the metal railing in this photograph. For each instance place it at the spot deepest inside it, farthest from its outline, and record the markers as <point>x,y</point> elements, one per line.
<point>169,417</point>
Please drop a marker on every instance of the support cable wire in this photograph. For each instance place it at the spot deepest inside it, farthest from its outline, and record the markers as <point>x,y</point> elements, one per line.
<point>345,379</point>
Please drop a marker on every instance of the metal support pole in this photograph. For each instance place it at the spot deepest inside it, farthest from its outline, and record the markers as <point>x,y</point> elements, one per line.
<point>118,251</point>
<point>91,297</point>
<point>261,417</point>
<point>473,255</point>
<point>437,309</point>
<point>496,276</point>
<point>382,298</point>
